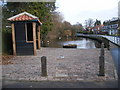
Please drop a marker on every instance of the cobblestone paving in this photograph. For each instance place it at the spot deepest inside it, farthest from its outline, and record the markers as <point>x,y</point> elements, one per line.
<point>62,65</point>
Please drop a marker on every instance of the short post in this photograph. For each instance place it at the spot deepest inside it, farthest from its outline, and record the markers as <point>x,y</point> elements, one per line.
<point>101,61</point>
<point>43,66</point>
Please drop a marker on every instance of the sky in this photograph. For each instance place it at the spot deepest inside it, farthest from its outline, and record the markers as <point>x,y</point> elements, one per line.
<point>75,11</point>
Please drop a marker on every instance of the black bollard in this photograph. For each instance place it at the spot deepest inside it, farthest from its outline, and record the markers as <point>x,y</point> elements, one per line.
<point>101,62</point>
<point>43,66</point>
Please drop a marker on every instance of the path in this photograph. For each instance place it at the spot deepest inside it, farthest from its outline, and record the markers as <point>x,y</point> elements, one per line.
<point>62,64</point>
<point>59,84</point>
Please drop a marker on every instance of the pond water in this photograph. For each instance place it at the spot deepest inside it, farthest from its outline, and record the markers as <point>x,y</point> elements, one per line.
<point>84,43</point>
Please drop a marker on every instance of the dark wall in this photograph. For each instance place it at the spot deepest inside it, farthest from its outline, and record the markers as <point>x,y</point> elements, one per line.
<point>7,47</point>
<point>22,48</point>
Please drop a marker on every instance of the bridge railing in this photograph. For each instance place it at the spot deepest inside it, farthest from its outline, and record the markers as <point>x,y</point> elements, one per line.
<point>113,39</point>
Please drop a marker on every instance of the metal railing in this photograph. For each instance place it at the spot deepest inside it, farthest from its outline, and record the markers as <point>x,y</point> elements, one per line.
<point>113,39</point>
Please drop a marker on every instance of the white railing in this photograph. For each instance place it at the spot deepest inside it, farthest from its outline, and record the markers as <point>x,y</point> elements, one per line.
<point>113,39</point>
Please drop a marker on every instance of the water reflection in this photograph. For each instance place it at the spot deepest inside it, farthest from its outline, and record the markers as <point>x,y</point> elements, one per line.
<point>80,42</point>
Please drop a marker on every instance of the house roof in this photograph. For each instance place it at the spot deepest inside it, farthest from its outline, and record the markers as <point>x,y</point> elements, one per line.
<point>89,27</point>
<point>98,26</point>
<point>24,17</point>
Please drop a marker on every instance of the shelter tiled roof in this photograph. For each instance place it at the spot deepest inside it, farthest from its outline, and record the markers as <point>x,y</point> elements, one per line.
<point>24,17</point>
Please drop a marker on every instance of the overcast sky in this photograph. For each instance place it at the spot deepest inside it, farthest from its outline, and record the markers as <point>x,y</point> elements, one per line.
<point>79,10</point>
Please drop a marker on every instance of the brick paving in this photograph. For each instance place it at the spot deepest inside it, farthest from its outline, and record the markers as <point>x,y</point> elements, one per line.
<point>62,64</point>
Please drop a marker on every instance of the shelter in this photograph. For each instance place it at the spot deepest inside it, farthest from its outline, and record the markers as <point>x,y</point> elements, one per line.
<point>25,33</point>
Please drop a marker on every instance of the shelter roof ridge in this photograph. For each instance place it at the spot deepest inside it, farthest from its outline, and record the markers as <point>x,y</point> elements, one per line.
<point>23,13</point>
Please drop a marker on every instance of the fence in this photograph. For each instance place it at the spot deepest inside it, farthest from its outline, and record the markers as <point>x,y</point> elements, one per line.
<point>113,39</point>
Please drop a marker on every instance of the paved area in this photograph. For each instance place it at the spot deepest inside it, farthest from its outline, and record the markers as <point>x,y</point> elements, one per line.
<point>59,84</point>
<point>62,65</point>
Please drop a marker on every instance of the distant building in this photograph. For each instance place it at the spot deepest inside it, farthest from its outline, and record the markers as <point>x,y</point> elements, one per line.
<point>97,29</point>
<point>89,29</point>
<point>112,27</point>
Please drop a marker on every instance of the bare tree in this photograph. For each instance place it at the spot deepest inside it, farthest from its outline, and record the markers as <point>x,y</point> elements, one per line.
<point>57,20</point>
<point>89,23</point>
<point>78,27</point>
<point>57,17</point>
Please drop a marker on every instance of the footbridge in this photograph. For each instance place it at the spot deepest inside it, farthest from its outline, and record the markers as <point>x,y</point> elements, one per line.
<point>114,39</point>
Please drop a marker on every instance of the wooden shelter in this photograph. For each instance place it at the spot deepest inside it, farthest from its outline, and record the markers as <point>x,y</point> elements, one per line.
<point>25,33</point>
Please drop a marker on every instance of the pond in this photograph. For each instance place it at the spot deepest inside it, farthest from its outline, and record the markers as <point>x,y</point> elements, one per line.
<point>83,43</point>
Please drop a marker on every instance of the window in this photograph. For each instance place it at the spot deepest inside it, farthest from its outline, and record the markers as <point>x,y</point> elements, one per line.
<point>29,32</point>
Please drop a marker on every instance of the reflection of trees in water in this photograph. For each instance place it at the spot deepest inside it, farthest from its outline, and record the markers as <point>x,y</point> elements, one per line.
<point>97,44</point>
<point>92,44</point>
<point>106,43</point>
<point>89,43</point>
<point>87,39</point>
